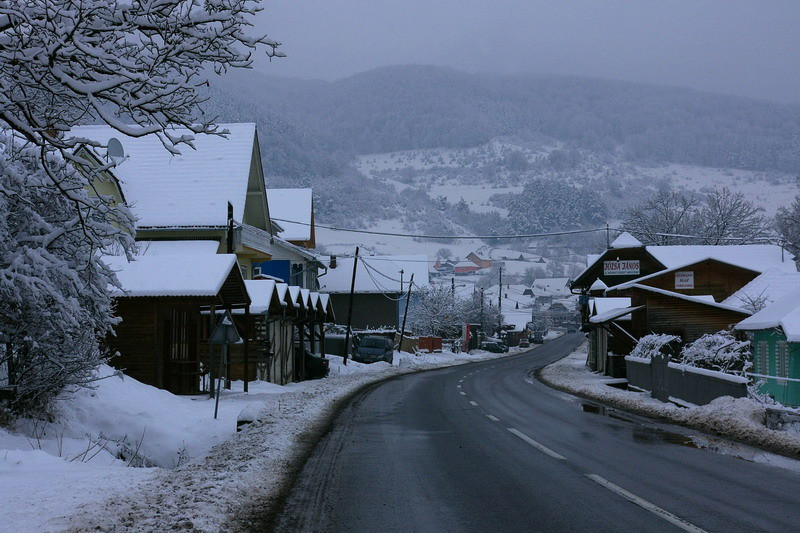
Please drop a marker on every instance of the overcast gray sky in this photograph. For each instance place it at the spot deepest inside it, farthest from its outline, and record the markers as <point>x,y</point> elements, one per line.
<point>744,47</point>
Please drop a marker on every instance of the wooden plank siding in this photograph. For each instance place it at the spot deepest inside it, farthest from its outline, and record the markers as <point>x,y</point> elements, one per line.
<point>710,277</point>
<point>676,316</point>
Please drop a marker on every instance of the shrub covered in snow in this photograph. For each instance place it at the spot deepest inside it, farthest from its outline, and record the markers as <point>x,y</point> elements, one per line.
<point>718,351</point>
<point>650,345</point>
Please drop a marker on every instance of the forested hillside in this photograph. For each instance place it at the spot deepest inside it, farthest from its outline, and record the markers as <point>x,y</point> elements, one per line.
<point>593,135</point>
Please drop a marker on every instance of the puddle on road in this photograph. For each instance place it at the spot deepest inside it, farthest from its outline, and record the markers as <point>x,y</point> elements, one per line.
<point>652,435</point>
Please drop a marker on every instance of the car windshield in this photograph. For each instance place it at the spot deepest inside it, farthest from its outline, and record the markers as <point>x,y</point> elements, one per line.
<point>373,343</point>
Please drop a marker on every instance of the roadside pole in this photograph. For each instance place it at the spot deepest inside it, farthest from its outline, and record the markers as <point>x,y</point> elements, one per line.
<point>405,314</point>
<point>350,309</point>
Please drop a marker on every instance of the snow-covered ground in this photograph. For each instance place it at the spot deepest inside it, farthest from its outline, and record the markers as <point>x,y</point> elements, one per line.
<point>66,475</point>
<point>204,476</point>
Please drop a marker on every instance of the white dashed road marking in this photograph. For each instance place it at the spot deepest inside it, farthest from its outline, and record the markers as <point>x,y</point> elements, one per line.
<point>462,393</point>
<point>658,511</point>
<point>474,404</point>
<point>493,418</point>
<point>541,447</point>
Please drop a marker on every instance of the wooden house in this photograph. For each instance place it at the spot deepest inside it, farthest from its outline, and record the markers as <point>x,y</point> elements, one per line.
<point>479,261</point>
<point>774,334</point>
<point>167,314</point>
<point>213,191</point>
<point>680,290</point>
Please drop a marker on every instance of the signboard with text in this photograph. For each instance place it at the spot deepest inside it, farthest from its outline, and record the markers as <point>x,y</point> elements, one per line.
<point>684,280</point>
<point>621,268</point>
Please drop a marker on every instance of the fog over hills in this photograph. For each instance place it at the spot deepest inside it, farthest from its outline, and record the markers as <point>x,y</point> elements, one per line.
<point>540,141</point>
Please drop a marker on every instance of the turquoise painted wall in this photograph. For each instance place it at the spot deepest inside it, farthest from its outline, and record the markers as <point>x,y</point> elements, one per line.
<point>767,360</point>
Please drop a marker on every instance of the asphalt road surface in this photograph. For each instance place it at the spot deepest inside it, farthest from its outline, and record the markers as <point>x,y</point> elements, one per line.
<point>486,447</point>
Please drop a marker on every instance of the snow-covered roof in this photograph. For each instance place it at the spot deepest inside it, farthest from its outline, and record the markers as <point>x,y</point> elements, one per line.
<point>602,305</point>
<point>151,248</point>
<point>172,275</point>
<point>551,286</point>
<point>374,274</point>
<point>758,257</point>
<point>784,312</point>
<point>617,313</point>
<point>625,240</point>
<point>769,287</point>
<point>598,285</point>
<point>191,189</point>
<point>292,209</point>
<point>261,292</point>
<point>519,319</point>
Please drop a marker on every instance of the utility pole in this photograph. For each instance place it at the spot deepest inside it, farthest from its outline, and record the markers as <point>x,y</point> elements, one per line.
<point>401,281</point>
<point>500,303</point>
<point>405,314</point>
<point>481,307</point>
<point>608,238</point>
<point>350,309</point>
<point>453,287</point>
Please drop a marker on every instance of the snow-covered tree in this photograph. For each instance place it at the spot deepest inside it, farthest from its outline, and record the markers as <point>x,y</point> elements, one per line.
<point>137,65</point>
<point>728,215</point>
<point>787,220</point>
<point>670,217</point>
<point>53,286</point>
<point>667,212</point>
<point>436,311</point>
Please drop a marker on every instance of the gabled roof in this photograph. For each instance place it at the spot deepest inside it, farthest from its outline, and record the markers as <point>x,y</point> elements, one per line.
<point>194,188</point>
<point>757,257</point>
<point>292,208</point>
<point>769,286</point>
<point>176,275</point>
<point>783,313</point>
<point>376,274</point>
<point>625,240</point>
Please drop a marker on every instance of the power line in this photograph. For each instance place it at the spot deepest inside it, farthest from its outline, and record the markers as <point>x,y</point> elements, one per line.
<point>530,235</point>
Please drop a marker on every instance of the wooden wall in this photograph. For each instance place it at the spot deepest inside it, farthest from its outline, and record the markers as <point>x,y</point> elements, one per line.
<point>710,277</point>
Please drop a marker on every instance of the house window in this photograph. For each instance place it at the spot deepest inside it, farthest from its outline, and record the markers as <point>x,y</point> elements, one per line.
<point>782,369</point>
<point>761,358</point>
<point>243,268</point>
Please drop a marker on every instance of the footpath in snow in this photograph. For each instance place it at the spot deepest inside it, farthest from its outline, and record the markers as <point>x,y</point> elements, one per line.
<point>195,473</point>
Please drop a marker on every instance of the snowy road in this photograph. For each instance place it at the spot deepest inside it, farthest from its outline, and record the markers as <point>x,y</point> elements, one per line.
<point>486,447</point>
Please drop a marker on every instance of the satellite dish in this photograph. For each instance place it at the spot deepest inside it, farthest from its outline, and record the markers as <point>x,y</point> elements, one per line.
<point>115,151</point>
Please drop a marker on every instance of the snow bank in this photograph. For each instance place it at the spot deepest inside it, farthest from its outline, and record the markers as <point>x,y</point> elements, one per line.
<point>740,419</point>
<point>206,469</point>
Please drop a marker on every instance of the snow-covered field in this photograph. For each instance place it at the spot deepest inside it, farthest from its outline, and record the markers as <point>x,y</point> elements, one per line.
<point>66,475</point>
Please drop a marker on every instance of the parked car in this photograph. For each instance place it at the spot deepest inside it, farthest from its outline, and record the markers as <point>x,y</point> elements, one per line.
<point>524,343</point>
<point>316,366</point>
<point>494,347</point>
<point>537,338</point>
<point>374,348</point>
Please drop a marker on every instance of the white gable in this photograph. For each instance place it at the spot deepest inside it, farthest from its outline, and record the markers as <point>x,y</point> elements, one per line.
<point>191,189</point>
<point>626,240</point>
<point>291,208</point>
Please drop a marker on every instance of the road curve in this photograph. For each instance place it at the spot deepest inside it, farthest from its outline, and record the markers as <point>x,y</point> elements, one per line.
<point>485,447</point>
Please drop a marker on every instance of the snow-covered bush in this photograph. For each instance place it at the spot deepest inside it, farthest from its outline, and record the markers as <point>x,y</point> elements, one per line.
<point>53,287</point>
<point>718,351</point>
<point>651,345</point>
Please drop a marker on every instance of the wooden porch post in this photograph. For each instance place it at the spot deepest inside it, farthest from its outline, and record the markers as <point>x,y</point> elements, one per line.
<point>246,333</point>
